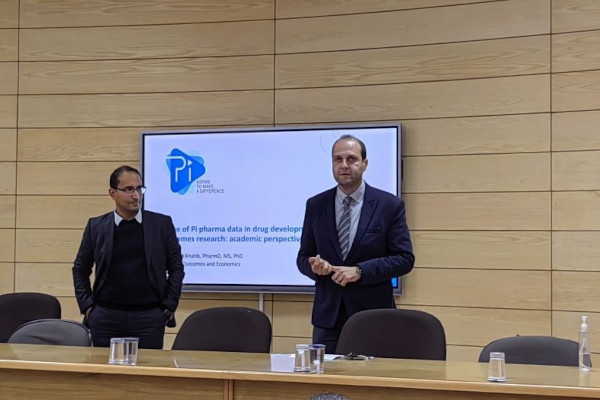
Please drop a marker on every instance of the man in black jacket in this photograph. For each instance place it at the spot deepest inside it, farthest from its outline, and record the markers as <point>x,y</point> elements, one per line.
<point>139,268</point>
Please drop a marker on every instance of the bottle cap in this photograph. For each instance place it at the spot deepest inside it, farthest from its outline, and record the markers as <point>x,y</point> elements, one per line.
<point>584,326</point>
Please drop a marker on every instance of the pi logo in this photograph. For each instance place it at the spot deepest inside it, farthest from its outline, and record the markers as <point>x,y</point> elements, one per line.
<point>185,169</point>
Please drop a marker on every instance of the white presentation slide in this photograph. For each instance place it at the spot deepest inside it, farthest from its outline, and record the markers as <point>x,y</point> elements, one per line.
<point>237,198</point>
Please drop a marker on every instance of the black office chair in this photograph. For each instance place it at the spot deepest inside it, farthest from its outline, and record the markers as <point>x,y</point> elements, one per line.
<point>52,331</point>
<point>19,308</point>
<point>393,333</point>
<point>238,329</point>
<point>541,350</point>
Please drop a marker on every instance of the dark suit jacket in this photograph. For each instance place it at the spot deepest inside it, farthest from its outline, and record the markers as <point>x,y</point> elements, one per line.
<point>163,258</point>
<point>381,247</point>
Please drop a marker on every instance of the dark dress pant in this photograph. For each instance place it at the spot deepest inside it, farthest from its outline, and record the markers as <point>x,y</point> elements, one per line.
<point>330,336</point>
<point>147,325</point>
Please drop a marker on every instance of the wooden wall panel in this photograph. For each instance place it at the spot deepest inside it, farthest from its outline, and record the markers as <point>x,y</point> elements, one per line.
<point>474,101</point>
<point>566,324</point>
<point>576,91</point>
<point>575,210</point>
<point>47,245</point>
<point>168,340</point>
<point>117,145</point>
<point>8,178</point>
<point>154,41</point>
<point>7,211</point>
<point>80,144</point>
<point>477,173</point>
<point>9,44</point>
<point>310,8</point>
<point>139,76</point>
<point>576,170</point>
<point>577,250</point>
<point>463,353</point>
<point>527,94</point>
<point>8,78</point>
<point>477,135</point>
<point>286,344</point>
<point>305,297</point>
<point>491,58</point>
<point>414,27</point>
<point>479,326</point>
<point>40,13</point>
<point>8,111</point>
<point>198,298</point>
<point>524,290</point>
<point>575,291</point>
<point>478,211</point>
<point>54,279</point>
<point>70,212</point>
<point>8,145</point>
<point>163,109</point>
<point>69,307</point>
<point>77,178</point>
<point>7,277</point>
<point>7,248</point>
<point>575,15</point>
<point>575,51</point>
<point>575,131</point>
<point>292,318</point>
<point>463,326</point>
<point>9,13</point>
<point>482,250</point>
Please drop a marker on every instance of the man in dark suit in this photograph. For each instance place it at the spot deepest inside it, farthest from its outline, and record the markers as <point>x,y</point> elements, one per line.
<point>354,241</point>
<point>139,268</point>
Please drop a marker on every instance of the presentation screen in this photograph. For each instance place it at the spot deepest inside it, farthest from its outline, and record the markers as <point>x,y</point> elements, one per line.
<point>237,197</point>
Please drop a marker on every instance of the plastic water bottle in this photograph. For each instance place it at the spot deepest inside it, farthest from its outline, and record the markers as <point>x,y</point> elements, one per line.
<point>585,358</point>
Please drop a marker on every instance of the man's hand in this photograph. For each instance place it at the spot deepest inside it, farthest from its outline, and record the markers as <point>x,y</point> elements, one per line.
<point>345,275</point>
<point>169,318</point>
<point>320,266</point>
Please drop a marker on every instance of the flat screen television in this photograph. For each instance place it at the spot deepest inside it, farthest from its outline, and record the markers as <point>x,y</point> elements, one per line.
<point>237,197</point>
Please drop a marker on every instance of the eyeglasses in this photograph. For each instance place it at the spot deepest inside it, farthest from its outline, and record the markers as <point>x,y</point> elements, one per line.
<point>130,189</point>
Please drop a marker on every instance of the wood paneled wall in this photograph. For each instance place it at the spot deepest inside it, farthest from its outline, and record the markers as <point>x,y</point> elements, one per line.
<point>499,100</point>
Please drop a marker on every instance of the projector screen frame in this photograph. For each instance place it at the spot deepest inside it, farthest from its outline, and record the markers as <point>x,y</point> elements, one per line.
<point>270,288</point>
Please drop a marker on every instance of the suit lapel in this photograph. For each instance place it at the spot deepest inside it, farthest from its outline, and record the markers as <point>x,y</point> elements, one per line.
<point>331,225</point>
<point>109,234</point>
<point>366,214</point>
<point>148,227</point>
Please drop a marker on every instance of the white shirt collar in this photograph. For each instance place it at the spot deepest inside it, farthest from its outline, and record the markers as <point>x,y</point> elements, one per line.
<point>357,195</point>
<point>118,218</point>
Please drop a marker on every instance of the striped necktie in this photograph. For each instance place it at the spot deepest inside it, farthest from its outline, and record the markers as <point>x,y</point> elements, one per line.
<point>344,228</point>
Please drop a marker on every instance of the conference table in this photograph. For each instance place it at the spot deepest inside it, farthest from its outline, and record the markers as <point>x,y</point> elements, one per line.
<point>62,372</point>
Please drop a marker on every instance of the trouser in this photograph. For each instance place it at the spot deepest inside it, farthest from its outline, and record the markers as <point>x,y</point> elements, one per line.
<point>147,325</point>
<point>330,336</point>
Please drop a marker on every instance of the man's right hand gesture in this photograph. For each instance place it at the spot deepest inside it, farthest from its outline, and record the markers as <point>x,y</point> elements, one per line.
<point>320,266</point>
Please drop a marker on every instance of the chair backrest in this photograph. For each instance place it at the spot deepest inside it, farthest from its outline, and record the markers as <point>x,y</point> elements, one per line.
<point>225,329</point>
<point>393,333</point>
<point>52,331</point>
<point>541,350</point>
<point>19,308</point>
